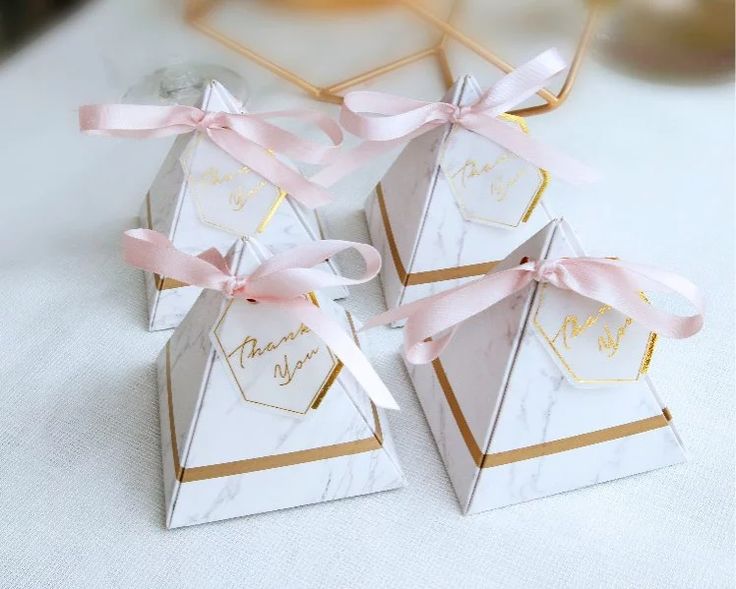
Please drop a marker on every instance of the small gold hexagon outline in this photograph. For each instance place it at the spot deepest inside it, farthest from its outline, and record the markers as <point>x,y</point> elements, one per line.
<point>643,366</point>
<point>534,201</point>
<point>186,158</point>
<point>321,391</point>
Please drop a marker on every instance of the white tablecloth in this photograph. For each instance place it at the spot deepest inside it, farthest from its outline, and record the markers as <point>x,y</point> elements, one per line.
<point>80,480</point>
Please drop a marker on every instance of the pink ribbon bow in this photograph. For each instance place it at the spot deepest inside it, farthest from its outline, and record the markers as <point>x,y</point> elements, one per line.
<point>282,281</point>
<point>613,282</point>
<point>386,121</point>
<point>248,138</point>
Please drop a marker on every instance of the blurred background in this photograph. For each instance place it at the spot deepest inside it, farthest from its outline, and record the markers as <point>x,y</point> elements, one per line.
<point>690,41</point>
<point>648,103</point>
<point>23,20</point>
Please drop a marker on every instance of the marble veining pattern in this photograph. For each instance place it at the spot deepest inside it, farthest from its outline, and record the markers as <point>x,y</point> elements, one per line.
<point>429,230</point>
<point>225,415</point>
<point>458,461</point>
<point>566,471</point>
<point>215,425</point>
<point>555,408</point>
<point>170,484</point>
<point>174,213</point>
<point>479,378</point>
<point>524,394</point>
<point>279,488</point>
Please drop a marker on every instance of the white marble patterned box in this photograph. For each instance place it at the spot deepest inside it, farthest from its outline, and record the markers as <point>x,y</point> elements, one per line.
<point>431,243</point>
<point>225,457</point>
<point>170,208</point>
<point>511,426</point>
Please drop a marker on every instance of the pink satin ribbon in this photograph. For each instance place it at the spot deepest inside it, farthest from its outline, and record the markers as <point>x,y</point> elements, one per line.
<point>613,282</point>
<point>386,121</point>
<point>282,282</point>
<point>246,137</point>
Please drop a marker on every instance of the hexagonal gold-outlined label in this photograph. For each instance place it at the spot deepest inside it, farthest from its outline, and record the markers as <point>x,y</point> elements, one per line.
<point>591,342</point>
<point>491,185</point>
<point>274,361</point>
<point>228,195</point>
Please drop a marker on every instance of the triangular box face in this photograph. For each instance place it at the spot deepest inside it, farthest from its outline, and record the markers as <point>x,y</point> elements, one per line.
<point>418,225</point>
<point>171,209</point>
<point>224,457</point>
<point>511,428</point>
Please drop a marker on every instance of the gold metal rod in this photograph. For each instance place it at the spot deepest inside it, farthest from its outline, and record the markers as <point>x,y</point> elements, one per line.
<point>587,34</point>
<point>198,10</point>
<point>326,96</point>
<point>580,50</point>
<point>538,109</point>
<point>259,59</point>
<point>379,71</point>
<point>453,32</point>
<point>195,9</point>
<point>441,50</point>
<point>471,44</point>
<point>444,64</point>
<point>450,17</point>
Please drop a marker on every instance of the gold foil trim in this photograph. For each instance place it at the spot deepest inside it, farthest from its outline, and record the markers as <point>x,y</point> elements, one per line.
<point>643,367</point>
<point>160,282</point>
<point>483,460</point>
<point>178,471</point>
<point>324,387</point>
<point>536,198</point>
<point>187,156</point>
<point>327,384</point>
<point>647,359</point>
<point>573,442</point>
<point>428,276</point>
<point>226,469</point>
<point>213,471</point>
<point>163,283</point>
<point>457,413</point>
<point>543,173</point>
<point>272,211</point>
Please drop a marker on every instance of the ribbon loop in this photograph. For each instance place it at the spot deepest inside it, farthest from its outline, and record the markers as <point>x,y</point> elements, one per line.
<point>248,138</point>
<point>385,121</point>
<point>521,83</point>
<point>612,282</point>
<point>283,280</point>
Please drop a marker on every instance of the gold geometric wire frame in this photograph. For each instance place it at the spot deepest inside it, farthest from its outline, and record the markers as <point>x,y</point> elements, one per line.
<point>197,12</point>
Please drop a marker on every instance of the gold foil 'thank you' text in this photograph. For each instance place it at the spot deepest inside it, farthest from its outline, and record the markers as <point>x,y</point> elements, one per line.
<point>239,196</point>
<point>500,186</point>
<point>250,348</point>
<point>609,342</point>
<point>286,372</point>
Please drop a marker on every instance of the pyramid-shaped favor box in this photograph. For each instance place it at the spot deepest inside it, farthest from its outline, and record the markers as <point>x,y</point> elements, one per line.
<point>202,197</point>
<point>235,442</point>
<point>544,392</point>
<point>452,205</point>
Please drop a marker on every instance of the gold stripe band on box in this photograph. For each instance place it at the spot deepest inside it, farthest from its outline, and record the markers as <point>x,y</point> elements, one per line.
<point>546,448</point>
<point>213,471</point>
<point>428,276</point>
<point>161,282</point>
